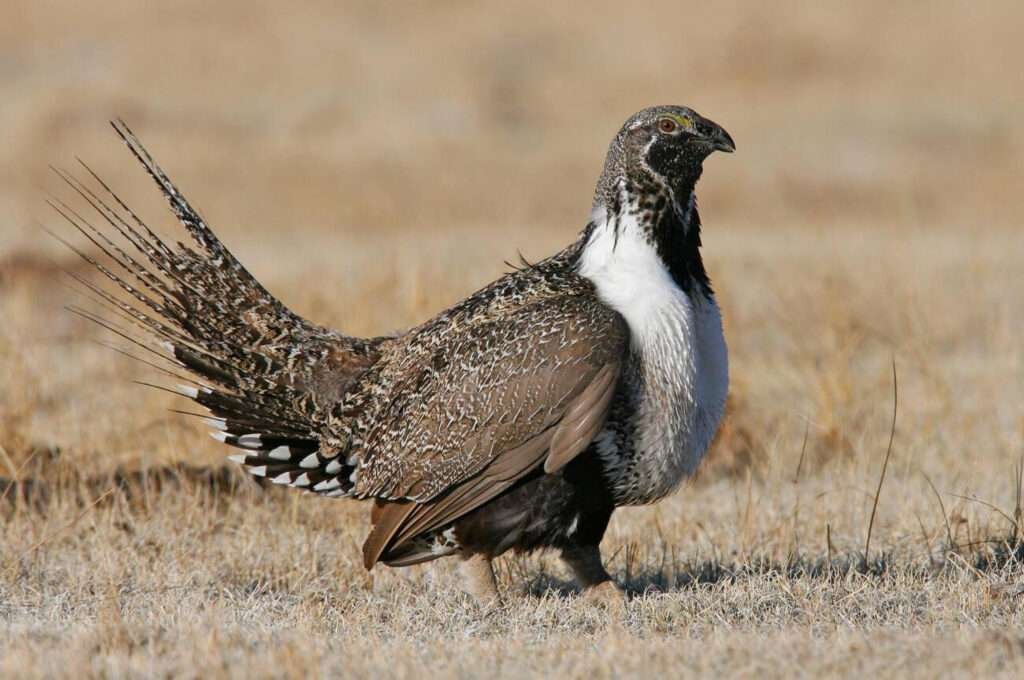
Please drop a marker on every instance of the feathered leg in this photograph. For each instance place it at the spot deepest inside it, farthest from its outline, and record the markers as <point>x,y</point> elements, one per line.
<point>480,580</point>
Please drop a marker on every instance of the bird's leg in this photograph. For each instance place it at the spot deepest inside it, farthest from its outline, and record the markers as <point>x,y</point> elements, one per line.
<point>480,580</point>
<point>585,562</point>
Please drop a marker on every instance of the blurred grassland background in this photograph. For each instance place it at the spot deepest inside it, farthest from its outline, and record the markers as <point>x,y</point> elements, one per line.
<point>373,163</point>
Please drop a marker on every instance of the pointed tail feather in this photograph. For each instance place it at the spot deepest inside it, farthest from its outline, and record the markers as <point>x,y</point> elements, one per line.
<point>267,376</point>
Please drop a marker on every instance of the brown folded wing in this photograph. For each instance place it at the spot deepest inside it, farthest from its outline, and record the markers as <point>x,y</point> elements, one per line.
<point>507,397</point>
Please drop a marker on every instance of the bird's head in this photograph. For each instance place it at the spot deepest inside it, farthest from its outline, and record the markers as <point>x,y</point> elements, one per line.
<point>661,147</point>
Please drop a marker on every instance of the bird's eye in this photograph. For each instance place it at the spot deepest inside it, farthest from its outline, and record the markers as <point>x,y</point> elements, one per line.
<point>667,125</point>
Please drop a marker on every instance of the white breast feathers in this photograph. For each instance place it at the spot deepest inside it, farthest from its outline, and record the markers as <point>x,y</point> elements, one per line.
<point>677,339</point>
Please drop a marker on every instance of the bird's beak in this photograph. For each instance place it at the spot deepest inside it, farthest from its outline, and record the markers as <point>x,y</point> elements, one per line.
<point>715,135</point>
<point>723,142</point>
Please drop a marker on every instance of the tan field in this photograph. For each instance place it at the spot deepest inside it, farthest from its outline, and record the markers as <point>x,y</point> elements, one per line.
<point>373,166</point>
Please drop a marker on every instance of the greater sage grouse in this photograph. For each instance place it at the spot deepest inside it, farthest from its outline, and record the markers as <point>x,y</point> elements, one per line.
<point>518,419</point>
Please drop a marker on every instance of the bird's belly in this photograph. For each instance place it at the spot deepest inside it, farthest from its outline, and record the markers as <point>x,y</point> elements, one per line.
<point>570,507</point>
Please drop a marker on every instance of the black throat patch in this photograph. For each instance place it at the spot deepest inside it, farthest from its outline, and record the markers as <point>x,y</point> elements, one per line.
<point>673,229</point>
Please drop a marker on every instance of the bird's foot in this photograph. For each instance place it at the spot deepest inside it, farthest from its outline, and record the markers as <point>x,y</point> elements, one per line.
<point>606,594</point>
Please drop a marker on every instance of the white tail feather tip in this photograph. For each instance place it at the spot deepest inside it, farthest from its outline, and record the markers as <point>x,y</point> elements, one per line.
<point>216,424</point>
<point>250,441</point>
<point>327,484</point>
<point>187,391</point>
<point>281,453</point>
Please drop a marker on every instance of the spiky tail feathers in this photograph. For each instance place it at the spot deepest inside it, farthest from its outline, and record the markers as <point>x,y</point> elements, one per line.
<point>268,377</point>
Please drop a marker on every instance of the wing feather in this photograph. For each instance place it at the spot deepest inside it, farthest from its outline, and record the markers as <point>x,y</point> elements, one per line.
<point>531,396</point>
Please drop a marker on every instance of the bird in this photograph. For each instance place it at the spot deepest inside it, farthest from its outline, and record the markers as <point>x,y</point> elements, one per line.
<point>518,419</point>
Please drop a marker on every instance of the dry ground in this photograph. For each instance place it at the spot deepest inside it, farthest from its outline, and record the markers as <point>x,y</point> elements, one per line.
<point>372,166</point>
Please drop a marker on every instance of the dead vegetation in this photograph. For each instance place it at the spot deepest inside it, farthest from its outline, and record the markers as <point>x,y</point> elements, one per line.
<point>374,165</point>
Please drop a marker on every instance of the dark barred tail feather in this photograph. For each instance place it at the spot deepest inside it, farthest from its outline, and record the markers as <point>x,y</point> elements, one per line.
<point>267,376</point>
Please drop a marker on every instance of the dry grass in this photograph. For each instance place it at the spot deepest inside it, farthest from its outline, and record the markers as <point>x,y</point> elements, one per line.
<point>374,166</point>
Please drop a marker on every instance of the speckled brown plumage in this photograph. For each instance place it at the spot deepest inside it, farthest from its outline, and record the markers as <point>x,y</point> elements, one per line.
<point>515,419</point>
